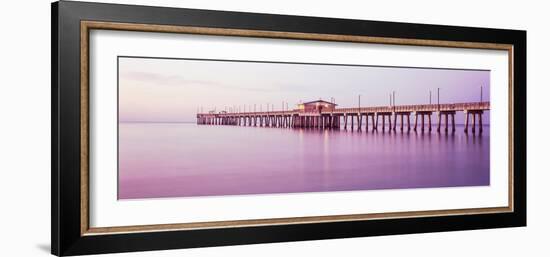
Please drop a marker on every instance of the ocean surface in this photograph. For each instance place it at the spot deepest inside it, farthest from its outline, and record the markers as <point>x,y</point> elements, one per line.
<point>185,160</point>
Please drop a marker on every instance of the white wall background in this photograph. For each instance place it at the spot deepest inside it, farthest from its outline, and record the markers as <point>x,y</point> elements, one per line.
<point>25,127</point>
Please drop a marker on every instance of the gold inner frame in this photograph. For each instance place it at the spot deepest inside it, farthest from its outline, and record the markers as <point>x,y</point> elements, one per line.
<point>86,26</point>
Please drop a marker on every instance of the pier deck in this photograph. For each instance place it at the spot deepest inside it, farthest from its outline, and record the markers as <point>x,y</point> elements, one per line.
<point>334,118</point>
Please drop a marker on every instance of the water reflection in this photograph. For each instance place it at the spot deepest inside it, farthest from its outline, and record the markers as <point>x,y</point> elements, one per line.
<point>174,160</point>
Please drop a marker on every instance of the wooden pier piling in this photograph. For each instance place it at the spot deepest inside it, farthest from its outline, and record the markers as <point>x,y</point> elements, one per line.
<point>333,118</point>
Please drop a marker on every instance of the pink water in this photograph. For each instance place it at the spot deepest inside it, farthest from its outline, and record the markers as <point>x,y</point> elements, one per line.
<point>185,159</point>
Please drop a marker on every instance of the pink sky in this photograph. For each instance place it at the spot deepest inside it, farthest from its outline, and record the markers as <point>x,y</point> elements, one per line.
<point>171,90</point>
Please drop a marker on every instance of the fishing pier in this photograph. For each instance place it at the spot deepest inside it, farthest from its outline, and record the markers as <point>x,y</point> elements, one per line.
<point>325,115</point>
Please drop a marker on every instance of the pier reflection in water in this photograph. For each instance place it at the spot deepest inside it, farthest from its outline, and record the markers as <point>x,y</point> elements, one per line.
<point>185,159</point>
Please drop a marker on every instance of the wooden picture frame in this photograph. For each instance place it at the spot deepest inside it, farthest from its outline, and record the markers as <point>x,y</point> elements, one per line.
<point>71,25</point>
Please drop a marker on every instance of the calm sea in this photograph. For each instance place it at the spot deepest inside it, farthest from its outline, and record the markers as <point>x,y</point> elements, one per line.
<point>185,159</point>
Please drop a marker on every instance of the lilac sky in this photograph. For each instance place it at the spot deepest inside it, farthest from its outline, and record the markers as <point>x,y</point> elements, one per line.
<point>169,90</point>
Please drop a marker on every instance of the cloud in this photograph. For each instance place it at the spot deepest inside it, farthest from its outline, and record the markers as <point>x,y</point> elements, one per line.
<point>178,80</point>
<point>167,80</point>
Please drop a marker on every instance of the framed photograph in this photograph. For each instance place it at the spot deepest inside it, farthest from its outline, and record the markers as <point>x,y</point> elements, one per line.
<point>178,128</point>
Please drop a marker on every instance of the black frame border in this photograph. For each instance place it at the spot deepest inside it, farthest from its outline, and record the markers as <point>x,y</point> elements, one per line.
<point>66,238</point>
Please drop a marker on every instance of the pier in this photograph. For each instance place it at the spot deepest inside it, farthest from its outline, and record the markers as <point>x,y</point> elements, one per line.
<point>325,115</point>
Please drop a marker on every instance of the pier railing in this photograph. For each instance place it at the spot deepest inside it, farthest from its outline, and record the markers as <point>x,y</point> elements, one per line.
<point>332,118</point>
<point>373,109</point>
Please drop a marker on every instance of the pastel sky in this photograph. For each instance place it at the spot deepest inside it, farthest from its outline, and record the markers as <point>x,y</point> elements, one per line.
<point>172,90</point>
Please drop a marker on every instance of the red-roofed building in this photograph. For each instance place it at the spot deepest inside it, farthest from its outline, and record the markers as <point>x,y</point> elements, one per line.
<point>316,106</point>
